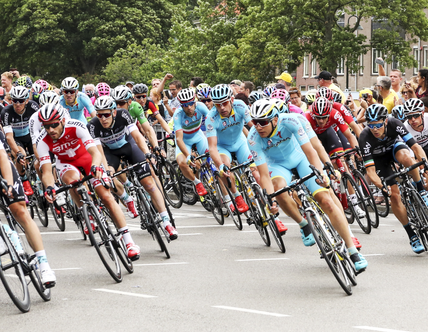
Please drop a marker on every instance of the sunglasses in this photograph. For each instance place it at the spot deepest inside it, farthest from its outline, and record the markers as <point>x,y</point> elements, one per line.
<point>69,92</point>
<point>205,100</point>
<point>261,122</point>
<point>321,117</point>
<point>18,101</point>
<point>405,92</point>
<point>140,97</point>
<point>413,116</point>
<point>52,125</point>
<point>375,125</point>
<point>190,103</point>
<point>223,104</point>
<point>121,102</point>
<point>104,115</point>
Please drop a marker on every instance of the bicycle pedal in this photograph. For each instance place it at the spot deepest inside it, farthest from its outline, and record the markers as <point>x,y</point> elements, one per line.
<point>249,222</point>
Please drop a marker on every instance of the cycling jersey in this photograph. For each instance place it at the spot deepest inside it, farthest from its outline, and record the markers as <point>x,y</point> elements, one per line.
<point>190,125</point>
<point>18,123</point>
<point>421,137</point>
<point>115,137</point>
<point>294,109</point>
<point>335,118</point>
<point>137,112</point>
<point>346,114</point>
<point>76,110</point>
<point>36,125</point>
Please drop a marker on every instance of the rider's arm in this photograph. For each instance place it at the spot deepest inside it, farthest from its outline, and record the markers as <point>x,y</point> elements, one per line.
<point>6,169</point>
<point>319,148</point>
<point>163,123</point>
<point>96,155</point>
<point>374,178</point>
<point>215,155</point>
<point>419,152</point>
<point>45,164</point>
<point>355,128</point>
<point>180,143</point>
<point>265,181</point>
<point>312,156</point>
<point>351,138</point>
<point>151,135</point>
<point>88,104</point>
<point>11,141</point>
<point>140,141</point>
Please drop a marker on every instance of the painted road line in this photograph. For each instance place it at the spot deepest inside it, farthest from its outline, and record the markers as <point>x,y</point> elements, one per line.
<point>67,268</point>
<point>260,259</point>
<point>205,226</point>
<point>124,293</point>
<point>155,264</point>
<point>190,234</point>
<point>371,328</point>
<point>250,311</point>
<point>59,232</point>
<point>367,255</point>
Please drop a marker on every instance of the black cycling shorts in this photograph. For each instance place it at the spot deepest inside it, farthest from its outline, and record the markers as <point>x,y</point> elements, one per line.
<point>383,163</point>
<point>18,189</point>
<point>331,142</point>
<point>25,143</point>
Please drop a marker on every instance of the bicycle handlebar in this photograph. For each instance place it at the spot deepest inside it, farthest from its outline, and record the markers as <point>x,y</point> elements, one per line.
<point>129,168</point>
<point>346,153</point>
<point>245,164</point>
<point>74,184</point>
<point>405,170</point>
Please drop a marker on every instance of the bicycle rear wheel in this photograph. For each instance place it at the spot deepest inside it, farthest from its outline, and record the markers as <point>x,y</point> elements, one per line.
<point>58,217</point>
<point>211,198</point>
<point>102,241</point>
<point>171,184</point>
<point>324,243</point>
<point>236,216</point>
<point>36,278</point>
<point>12,275</point>
<point>367,195</point>
<point>421,214</point>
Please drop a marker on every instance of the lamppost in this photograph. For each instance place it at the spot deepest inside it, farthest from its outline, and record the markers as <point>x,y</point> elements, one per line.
<point>347,67</point>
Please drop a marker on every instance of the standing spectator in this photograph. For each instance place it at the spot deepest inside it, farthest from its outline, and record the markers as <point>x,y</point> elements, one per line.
<point>325,79</point>
<point>6,81</point>
<point>195,81</point>
<point>422,90</point>
<point>395,75</point>
<point>174,103</point>
<point>407,90</point>
<point>296,99</point>
<point>130,85</point>
<point>389,96</point>
<point>235,85</point>
<point>286,79</point>
<point>246,88</point>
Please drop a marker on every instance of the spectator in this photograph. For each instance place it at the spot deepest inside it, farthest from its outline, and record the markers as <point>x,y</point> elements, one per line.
<point>425,101</point>
<point>195,81</point>
<point>130,85</point>
<point>6,81</point>
<point>395,75</point>
<point>296,98</point>
<point>286,79</point>
<point>407,90</point>
<point>389,96</point>
<point>242,96</point>
<point>325,79</point>
<point>246,88</point>
<point>174,89</point>
<point>422,90</point>
<point>155,83</point>
<point>235,85</point>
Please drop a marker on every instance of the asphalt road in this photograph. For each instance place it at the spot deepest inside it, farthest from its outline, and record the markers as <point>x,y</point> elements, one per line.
<point>222,279</point>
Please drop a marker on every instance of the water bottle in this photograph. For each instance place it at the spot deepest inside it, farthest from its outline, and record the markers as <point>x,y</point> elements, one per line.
<point>14,238</point>
<point>39,186</point>
<point>60,199</point>
<point>2,246</point>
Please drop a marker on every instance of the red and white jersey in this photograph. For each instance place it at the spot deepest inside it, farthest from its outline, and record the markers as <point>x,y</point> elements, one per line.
<point>36,125</point>
<point>346,114</point>
<point>335,118</point>
<point>71,147</point>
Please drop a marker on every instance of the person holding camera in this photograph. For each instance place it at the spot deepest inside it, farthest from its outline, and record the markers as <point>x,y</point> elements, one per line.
<point>389,96</point>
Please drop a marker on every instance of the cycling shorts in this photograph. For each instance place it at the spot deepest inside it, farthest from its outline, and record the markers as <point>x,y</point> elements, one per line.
<point>345,143</point>
<point>18,190</point>
<point>383,163</point>
<point>199,139</point>
<point>130,152</point>
<point>240,149</point>
<point>303,169</point>
<point>26,143</point>
<point>331,142</point>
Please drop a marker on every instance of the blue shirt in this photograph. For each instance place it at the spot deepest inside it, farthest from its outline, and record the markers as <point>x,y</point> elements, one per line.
<point>76,111</point>
<point>190,125</point>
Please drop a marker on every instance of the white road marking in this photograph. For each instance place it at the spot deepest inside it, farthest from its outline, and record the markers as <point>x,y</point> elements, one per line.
<point>260,259</point>
<point>205,226</point>
<point>155,264</point>
<point>68,268</point>
<point>181,234</point>
<point>124,293</point>
<point>250,311</point>
<point>366,255</point>
<point>371,328</point>
<point>78,239</point>
<point>59,232</point>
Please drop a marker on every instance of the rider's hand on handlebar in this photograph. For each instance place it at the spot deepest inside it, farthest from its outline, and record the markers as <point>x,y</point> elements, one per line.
<point>50,194</point>
<point>326,181</point>
<point>274,209</point>
<point>224,170</point>
<point>96,171</point>
<point>386,190</point>
<point>20,158</point>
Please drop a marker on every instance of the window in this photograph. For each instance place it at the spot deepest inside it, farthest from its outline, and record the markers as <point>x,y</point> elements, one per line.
<point>425,57</point>
<point>416,57</point>
<point>394,64</point>
<point>362,64</point>
<point>314,67</point>
<point>341,67</point>
<point>311,87</point>
<point>375,54</point>
<point>306,66</point>
<point>341,19</point>
<point>302,88</point>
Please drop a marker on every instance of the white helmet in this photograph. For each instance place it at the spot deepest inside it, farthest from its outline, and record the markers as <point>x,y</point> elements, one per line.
<point>69,83</point>
<point>48,97</point>
<point>186,95</point>
<point>121,92</point>
<point>19,92</point>
<point>264,109</point>
<point>104,103</point>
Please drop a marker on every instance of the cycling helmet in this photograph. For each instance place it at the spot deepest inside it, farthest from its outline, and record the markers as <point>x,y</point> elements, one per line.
<point>324,92</point>
<point>281,94</point>
<point>321,107</point>
<point>121,92</point>
<point>37,89</point>
<point>104,103</point>
<point>139,88</point>
<point>281,105</point>
<point>69,83</point>
<point>43,84</point>
<point>264,109</point>
<point>25,81</point>
<point>203,91</point>
<point>51,112</point>
<point>186,95</point>
<point>398,112</point>
<point>256,95</point>
<point>413,105</point>
<point>102,89</point>
<point>376,112</point>
<point>337,97</point>
<point>310,97</point>
<point>221,93</point>
<point>48,97</point>
<point>19,92</point>
<point>268,90</point>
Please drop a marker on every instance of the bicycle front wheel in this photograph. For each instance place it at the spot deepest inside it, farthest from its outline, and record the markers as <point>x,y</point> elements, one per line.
<point>236,216</point>
<point>12,276</point>
<point>211,200</point>
<point>58,217</point>
<point>421,214</point>
<point>102,241</point>
<point>369,200</point>
<point>171,184</point>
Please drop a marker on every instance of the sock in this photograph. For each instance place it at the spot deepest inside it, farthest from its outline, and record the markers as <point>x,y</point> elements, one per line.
<point>352,250</point>
<point>42,260</point>
<point>165,218</point>
<point>23,177</point>
<point>126,235</point>
<point>350,232</point>
<point>303,223</point>
<point>409,230</point>
<point>236,194</point>
<point>128,183</point>
<point>420,186</point>
<point>227,198</point>
<point>196,181</point>
<point>125,197</point>
<point>353,198</point>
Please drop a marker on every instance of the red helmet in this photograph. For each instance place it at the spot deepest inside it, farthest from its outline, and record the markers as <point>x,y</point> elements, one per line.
<point>321,107</point>
<point>325,92</point>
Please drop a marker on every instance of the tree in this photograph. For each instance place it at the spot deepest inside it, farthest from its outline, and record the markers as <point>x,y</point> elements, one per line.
<point>57,38</point>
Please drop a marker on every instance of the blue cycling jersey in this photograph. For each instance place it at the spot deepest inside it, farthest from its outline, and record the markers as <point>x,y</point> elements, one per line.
<point>190,125</point>
<point>283,146</point>
<point>228,130</point>
<point>305,124</point>
<point>18,123</point>
<point>76,111</point>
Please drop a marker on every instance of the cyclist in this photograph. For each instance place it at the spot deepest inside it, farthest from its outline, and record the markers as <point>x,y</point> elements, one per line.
<point>15,119</point>
<point>120,137</point>
<point>187,126</point>
<point>102,89</point>
<point>381,146</point>
<point>256,95</point>
<point>417,121</point>
<point>283,95</point>
<point>74,148</point>
<point>279,143</point>
<point>398,113</point>
<point>75,101</point>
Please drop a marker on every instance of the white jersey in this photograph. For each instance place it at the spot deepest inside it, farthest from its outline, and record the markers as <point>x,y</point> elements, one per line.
<point>36,125</point>
<point>421,137</point>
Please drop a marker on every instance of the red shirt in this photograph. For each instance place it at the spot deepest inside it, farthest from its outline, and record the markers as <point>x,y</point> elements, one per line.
<point>346,114</point>
<point>335,118</point>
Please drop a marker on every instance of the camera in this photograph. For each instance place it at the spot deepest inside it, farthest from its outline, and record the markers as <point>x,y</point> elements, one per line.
<point>167,93</point>
<point>365,96</point>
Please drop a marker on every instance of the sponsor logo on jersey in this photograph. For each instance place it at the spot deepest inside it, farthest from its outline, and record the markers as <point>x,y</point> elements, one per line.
<point>186,122</point>
<point>367,148</point>
<point>254,153</point>
<point>300,131</point>
<point>400,130</point>
<point>224,123</point>
<point>45,158</point>
<point>210,127</point>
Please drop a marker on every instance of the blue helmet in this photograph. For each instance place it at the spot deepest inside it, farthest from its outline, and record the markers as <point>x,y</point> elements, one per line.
<point>376,112</point>
<point>398,112</point>
<point>221,93</point>
<point>268,90</point>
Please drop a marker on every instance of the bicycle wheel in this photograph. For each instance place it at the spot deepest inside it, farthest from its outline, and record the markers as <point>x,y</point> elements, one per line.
<point>211,198</point>
<point>324,242</point>
<point>383,206</point>
<point>367,195</point>
<point>364,221</point>
<point>236,216</point>
<point>150,222</point>
<point>12,275</point>
<point>102,241</point>
<point>58,217</point>
<point>190,197</point>
<point>171,184</point>
<point>38,203</point>
<point>421,218</point>
<point>36,279</point>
